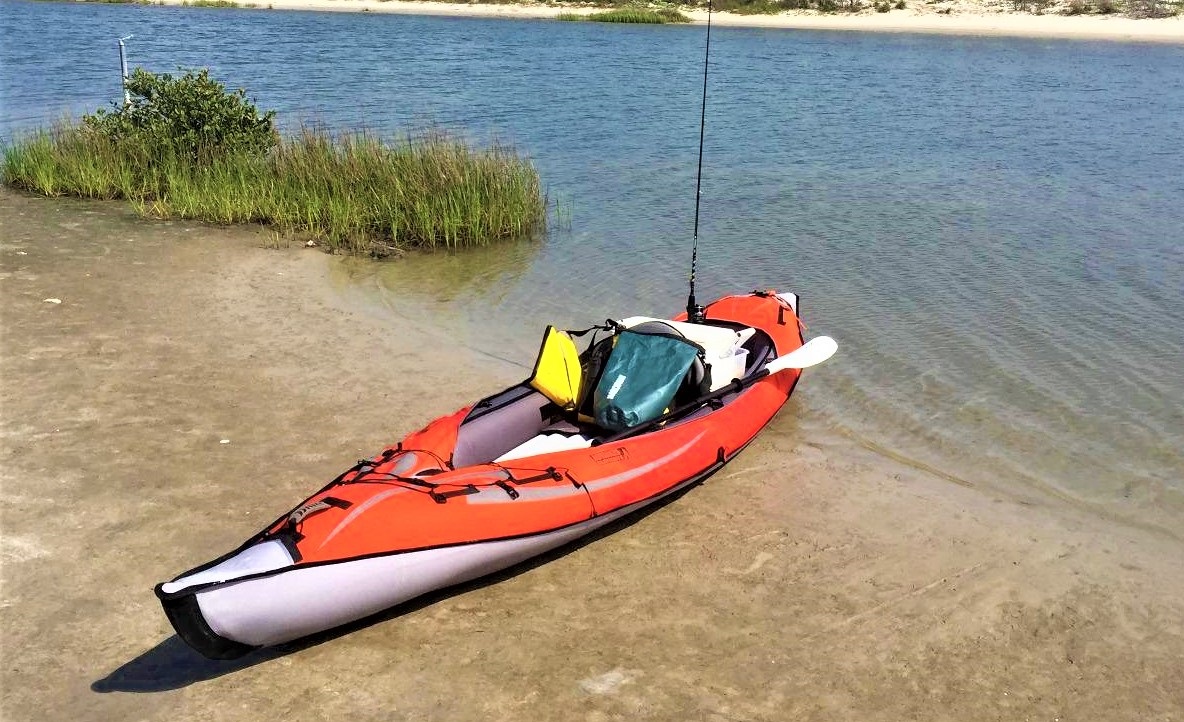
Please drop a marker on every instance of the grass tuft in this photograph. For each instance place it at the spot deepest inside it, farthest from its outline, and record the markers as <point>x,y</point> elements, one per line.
<point>631,15</point>
<point>352,193</point>
<point>758,7</point>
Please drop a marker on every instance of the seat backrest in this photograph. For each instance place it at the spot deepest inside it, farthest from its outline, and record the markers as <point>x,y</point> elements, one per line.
<point>715,340</point>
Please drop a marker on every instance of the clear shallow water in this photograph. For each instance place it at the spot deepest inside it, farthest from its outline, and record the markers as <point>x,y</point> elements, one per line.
<point>993,229</point>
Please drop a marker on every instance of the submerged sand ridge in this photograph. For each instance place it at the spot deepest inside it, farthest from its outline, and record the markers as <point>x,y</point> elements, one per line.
<point>810,579</point>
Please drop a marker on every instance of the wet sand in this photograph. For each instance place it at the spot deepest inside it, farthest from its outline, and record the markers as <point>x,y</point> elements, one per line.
<point>810,579</point>
<point>952,17</point>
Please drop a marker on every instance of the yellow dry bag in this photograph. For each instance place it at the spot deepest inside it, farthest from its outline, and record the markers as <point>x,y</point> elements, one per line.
<point>557,372</point>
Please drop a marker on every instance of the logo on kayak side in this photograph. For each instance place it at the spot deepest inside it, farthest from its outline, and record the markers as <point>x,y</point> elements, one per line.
<point>614,455</point>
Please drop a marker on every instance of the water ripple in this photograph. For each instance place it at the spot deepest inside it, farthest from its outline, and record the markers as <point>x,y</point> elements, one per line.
<point>991,227</point>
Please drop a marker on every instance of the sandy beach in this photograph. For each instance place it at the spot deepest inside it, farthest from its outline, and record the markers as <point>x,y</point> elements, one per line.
<point>810,579</point>
<point>964,17</point>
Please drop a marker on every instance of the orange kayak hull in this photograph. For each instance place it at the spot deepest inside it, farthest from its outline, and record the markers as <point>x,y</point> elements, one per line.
<point>441,507</point>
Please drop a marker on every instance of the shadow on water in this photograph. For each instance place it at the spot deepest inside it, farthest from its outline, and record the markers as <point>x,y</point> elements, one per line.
<point>172,664</point>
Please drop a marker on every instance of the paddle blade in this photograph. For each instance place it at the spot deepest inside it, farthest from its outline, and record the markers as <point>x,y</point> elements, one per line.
<point>812,353</point>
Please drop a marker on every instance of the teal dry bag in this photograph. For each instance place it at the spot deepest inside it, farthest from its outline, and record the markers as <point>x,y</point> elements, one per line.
<point>640,379</point>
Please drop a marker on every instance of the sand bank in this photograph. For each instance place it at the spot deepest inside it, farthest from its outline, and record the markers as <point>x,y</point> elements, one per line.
<point>966,18</point>
<point>810,579</point>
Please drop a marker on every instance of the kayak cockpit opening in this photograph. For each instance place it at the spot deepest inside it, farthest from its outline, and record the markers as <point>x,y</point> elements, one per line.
<point>577,399</point>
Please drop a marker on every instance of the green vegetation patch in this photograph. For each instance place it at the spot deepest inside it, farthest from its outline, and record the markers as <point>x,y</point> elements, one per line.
<point>631,15</point>
<point>759,7</point>
<point>1139,9</point>
<point>192,114</point>
<point>216,159</point>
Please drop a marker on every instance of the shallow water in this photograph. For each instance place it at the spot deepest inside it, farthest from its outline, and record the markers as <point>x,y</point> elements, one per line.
<point>990,227</point>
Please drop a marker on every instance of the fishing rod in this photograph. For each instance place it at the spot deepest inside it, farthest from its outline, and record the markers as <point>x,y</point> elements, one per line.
<point>695,312</point>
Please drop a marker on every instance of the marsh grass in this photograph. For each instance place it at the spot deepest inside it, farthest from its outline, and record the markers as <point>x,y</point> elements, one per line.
<point>352,192</point>
<point>631,15</point>
<point>759,7</point>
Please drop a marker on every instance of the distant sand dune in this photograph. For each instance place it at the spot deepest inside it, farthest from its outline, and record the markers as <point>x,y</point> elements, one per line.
<point>965,17</point>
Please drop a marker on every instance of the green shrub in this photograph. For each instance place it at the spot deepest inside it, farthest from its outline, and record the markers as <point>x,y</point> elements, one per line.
<point>754,7</point>
<point>1078,7</point>
<point>186,148</point>
<point>758,7</point>
<point>192,114</point>
<point>1107,7</point>
<point>1151,8</point>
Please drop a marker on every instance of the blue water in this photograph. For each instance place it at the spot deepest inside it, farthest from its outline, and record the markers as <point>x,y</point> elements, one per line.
<point>992,228</point>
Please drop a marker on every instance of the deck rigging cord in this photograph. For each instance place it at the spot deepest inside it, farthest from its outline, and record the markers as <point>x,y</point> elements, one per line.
<point>695,312</point>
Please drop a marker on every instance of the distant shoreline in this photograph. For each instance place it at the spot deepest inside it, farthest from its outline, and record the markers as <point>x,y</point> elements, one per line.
<point>961,21</point>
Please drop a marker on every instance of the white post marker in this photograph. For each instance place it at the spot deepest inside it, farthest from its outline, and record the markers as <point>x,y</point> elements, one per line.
<point>812,353</point>
<point>127,98</point>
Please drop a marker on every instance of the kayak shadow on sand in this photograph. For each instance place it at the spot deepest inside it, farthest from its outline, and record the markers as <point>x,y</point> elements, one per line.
<point>172,664</point>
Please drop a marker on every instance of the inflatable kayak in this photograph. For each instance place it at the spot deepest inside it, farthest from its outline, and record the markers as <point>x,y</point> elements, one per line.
<point>649,408</point>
